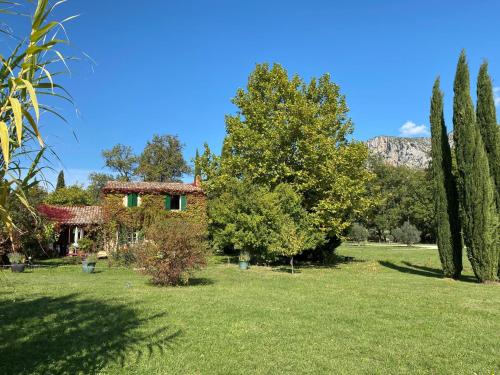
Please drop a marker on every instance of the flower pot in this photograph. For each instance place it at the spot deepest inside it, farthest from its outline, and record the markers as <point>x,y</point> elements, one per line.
<point>88,267</point>
<point>243,264</point>
<point>17,267</point>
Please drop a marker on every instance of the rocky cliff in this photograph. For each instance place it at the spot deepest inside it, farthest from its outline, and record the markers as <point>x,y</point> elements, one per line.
<point>398,151</point>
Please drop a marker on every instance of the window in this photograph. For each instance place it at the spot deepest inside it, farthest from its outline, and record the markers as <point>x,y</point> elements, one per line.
<point>132,200</point>
<point>175,202</point>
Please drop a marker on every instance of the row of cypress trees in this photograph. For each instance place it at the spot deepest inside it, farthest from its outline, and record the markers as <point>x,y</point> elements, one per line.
<point>467,202</point>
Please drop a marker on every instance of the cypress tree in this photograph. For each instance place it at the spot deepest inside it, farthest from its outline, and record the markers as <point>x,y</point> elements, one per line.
<point>449,239</point>
<point>487,123</point>
<point>197,167</point>
<point>60,180</point>
<point>475,186</point>
<point>490,132</point>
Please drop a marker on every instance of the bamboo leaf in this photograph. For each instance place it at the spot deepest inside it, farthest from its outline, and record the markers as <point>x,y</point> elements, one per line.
<point>18,118</point>
<point>33,126</point>
<point>4,142</point>
<point>34,100</point>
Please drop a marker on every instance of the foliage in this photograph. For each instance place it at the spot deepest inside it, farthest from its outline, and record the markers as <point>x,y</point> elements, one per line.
<point>399,194</point>
<point>96,183</point>
<point>60,180</point>
<point>16,258</point>
<point>26,77</point>
<point>197,166</point>
<point>124,256</point>
<point>449,239</point>
<point>264,223</point>
<point>244,256</point>
<point>74,195</point>
<point>173,250</point>
<point>86,245</point>
<point>122,160</point>
<point>287,131</point>
<point>358,233</point>
<point>407,234</point>
<point>488,127</point>
<point>162,159</point>
<point>475,186</point>
<point>34,233</point>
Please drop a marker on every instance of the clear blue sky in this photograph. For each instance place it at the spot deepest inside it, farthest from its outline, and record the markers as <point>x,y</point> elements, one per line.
<point>173,66</point>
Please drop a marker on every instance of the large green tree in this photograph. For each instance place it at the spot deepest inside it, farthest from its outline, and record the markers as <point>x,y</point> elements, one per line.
<point>475,185</point>
<point>122,160</point>
<point>298,133</point>
<point>449,238</point>
<point>162,159</point>
<point>400,194</point>
<point>488,127</point>
<point>490,131</point>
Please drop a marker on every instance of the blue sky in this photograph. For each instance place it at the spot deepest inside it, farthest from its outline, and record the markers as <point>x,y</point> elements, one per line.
<point>172,66</point>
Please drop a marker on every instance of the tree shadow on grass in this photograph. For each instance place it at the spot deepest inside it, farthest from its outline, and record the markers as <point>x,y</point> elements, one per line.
<point>67,335</point>
<point>422,270</point>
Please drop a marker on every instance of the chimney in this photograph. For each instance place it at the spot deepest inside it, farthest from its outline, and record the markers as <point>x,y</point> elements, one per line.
<point>197,180</point>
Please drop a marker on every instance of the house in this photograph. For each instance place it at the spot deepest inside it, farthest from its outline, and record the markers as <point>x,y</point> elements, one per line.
<point>72,224</point>
<point>127,207</point>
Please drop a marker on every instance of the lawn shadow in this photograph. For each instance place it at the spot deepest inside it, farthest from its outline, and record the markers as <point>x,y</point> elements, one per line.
<point>286,269</point>
<point>422,270</point>
<point>69,335</point>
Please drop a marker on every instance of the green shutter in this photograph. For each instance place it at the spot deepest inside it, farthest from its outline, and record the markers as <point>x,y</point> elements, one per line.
<point>132,200</point>
<point>183,202</point>
<point>167,202</point>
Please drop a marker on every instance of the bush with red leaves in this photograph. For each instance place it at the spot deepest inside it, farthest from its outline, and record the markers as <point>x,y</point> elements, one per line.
<point>172,250</point>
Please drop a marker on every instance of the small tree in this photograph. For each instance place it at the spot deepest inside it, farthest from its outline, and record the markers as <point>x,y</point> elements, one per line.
<point>173,250</point>
<point>407,234</point>
<point>60,180</point>
<point>358,233</point>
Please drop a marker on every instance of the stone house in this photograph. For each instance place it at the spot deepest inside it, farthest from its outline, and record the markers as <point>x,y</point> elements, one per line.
<point>126,208</point>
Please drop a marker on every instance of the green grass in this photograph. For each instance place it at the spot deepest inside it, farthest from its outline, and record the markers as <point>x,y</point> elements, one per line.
<point>388,311</point>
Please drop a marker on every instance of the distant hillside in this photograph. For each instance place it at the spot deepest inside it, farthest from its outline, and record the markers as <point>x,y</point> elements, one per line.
<point>398,151</point>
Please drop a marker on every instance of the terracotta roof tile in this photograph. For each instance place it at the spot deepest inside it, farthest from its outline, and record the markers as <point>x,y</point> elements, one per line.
<point>73,215</point>
<point>150,187</point>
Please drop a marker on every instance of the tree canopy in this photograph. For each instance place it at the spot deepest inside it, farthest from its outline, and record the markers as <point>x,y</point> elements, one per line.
<point>162,159</point>
<point>287,131</point>
<point>122,160</point>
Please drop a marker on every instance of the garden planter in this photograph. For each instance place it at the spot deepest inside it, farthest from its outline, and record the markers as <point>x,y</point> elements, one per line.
<point>17,267</point>
<point>88,267</point>
<point>243,265</point>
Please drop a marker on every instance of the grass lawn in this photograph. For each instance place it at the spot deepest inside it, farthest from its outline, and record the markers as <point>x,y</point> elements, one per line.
<point>388,311</point>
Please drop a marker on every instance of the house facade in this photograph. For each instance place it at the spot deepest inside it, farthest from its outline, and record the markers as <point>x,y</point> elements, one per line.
<point>126,209</point>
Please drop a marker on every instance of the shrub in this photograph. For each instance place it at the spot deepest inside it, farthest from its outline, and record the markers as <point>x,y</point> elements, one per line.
<point>407,234</point>
<point>173,249</point>
<point>86,245</point>
<point>358,233</point>
<point>124,256</point>
<point>16,258</point>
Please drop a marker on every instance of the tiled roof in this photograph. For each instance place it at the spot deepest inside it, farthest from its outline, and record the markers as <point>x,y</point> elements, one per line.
<point>73,215</point>
<point>150,187</point>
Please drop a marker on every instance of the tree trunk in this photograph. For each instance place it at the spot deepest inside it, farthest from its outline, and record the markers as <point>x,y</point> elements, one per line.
<point>291,263</point>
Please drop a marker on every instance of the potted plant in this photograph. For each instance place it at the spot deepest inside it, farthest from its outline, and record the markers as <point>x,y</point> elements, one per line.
<point>16,262</point>
<point>88,263</point>
<point>244,259</point>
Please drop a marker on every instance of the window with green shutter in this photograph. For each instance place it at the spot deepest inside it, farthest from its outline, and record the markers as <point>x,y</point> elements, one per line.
<point>167,202</point>
<point>132,200</point>
<point>183,202</point>
<point>175,202</point>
